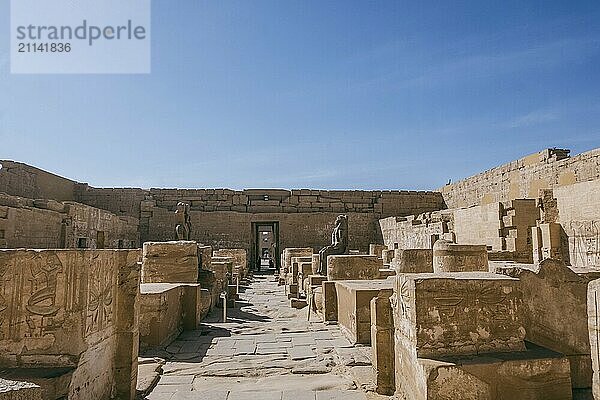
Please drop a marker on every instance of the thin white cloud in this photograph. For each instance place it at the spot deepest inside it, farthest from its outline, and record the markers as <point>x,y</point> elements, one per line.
<point>534,118</point>
<point>485,65</point>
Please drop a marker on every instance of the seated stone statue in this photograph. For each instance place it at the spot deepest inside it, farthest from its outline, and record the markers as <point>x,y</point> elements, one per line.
<point>183,229</point>
<point>339,243</point>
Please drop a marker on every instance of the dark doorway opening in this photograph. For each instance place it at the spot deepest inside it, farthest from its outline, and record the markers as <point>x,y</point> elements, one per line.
<point>265,246</point>
<point>99,240</point>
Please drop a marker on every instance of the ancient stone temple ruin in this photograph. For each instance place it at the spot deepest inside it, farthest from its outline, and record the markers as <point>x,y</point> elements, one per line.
<point>487,288</point>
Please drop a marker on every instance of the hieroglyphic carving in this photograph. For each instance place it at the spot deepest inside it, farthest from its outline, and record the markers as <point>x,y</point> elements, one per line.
<point>102,285</point>
<point>484,295</point>
<point>41,306</point>
<point>465,315</point>
<point>405,299</point>
<point>3,296</point>
<point>43,281</point>
<point>584,243</point>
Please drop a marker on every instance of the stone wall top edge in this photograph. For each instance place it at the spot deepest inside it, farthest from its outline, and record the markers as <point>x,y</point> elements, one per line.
<point>104,251</point>
<point>520,163</point>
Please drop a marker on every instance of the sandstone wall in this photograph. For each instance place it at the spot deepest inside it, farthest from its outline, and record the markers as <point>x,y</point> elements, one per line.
<point>23,180</point>
<point>87,222</point>
<point>523,178</point>
<point>234,229</point>
<point>578,208</point>
<point>22,225</point>
<point>170,262</point>
<point>72,309</point>
<point>479,225</point>
<point>503,227</point>
<point>120,201</point>
<point>415,232</point>
<point>223,217</point>
<point>49,224</point>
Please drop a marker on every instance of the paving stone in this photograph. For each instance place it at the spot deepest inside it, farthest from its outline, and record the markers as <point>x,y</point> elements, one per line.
<point>340,342</point>
<point>340,395</point>
<point>273,350</point>
<point>298,395</point>
<point>202,395</point>
<point>220,351</point>
<point>320,335</point>
<point>353,356</point>
<point>172,388</point>
<point>244,347</point>
<point>160,396</point>
<point>303,340</point>
<point>280,345</point>
<point>254,395</point>
<point>301,352</point>
<point>176,379</point>
<point>276,350</point>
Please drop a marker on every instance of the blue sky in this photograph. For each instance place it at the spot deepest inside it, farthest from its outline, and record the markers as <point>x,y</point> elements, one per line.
<point>319,94</point>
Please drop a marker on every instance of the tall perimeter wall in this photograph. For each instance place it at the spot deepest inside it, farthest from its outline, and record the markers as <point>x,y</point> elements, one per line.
<point>511,209</point>
<point>223,218</point>
<point>523,178</point>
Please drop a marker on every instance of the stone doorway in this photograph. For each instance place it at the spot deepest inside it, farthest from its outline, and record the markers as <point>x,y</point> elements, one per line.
<point>99,240</point>
<point>265,246</point>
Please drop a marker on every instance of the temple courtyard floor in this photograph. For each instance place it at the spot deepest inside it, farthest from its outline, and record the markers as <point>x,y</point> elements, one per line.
<point>265,351</point>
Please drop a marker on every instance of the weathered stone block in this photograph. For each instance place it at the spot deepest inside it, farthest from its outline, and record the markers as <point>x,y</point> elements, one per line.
<point>292,276</point>
<point>462,313</point>
<point>546,242</point>
<point>352,267</point>
<point>388,256</point>
<point>197,302</point>
<point>170,262</point>
<point>593,309</point>
<point>316,260</point>
<point>304,270</point>
<point>412,261</point>
<point>19,390</point>
<point>377,249</point>
<point>161,313</point>
<point>534,374</point>
<point>330,304</point>
<point>385,273</point>
<point>76,310</point>
<point>382,342</point>
<point>204,257</point>
<point>293,290</point>
<point>555,301</point>
<point>452,257</point>
<point>287,255</point>
<point>354,306</point>
<point>238,256</point>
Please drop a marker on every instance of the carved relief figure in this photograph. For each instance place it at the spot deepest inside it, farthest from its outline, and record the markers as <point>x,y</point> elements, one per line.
<point>584,243</point>
<point>339,243</point>
<point>489,297</point>
<point>42,305</point>
<point>3,299</point>
<point>43,284</point>
<point>183,228</point>
<point>101,286</point>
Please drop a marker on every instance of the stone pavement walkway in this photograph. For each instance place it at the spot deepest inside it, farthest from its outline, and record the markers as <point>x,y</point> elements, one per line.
<point>267,350</point>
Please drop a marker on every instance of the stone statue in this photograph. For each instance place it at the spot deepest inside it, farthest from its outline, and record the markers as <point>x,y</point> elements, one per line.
<point>183,228</point>
<point>339,243</point>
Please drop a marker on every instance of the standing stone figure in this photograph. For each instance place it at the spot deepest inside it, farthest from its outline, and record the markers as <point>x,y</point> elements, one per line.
<point>183,228</point>
<point>339,243</point>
